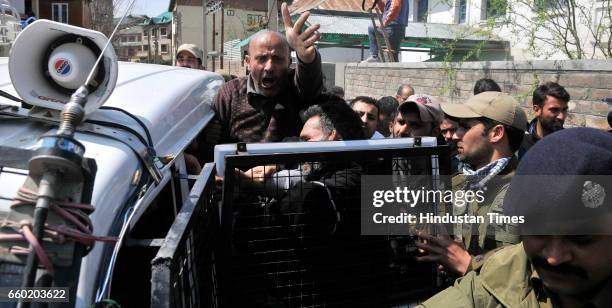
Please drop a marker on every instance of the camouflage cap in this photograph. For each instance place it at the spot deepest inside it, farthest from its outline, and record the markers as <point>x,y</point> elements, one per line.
<point>496,106</point>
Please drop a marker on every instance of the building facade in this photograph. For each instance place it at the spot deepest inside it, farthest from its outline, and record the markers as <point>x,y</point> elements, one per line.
<point>534,29</point>
<point>91,14</point>
<point>225,21</point>
<point>148,41</point>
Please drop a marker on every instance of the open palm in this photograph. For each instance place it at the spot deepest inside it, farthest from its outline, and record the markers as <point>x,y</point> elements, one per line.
<point>302,42</point>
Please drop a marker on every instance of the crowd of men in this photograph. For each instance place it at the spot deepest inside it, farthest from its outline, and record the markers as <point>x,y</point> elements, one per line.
<point>492,142</point>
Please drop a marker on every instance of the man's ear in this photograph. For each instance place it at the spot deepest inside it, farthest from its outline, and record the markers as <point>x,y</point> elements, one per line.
<point>497,133</point>
<point>247,61</point>
<point>537,110</point>
<point>333,136</point>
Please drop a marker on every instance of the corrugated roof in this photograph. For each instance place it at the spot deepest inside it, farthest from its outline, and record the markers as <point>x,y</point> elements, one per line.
<point>231,52</point>
<point>359,26</point>
<point>246,41</point>
<point>162,18</point>
<point>299,6</point>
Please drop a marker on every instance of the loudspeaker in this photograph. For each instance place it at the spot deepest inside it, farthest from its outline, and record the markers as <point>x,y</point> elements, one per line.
<point>50,60</point>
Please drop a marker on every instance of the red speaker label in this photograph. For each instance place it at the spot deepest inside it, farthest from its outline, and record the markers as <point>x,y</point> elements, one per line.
<point>62,66</point>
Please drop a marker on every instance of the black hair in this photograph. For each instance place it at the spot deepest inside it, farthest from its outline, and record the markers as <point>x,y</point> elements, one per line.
<point>335,114</point>
<point>515,135</point>
<point>405,109</point>
<point>368,100</point>
<point>337,91</point>
<point>549,89</point>
<point>387,105</point>
<point>486,85</point>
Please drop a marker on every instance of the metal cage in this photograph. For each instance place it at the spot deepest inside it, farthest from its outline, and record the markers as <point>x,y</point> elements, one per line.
<point>293,239</point>
<point>184,269</point>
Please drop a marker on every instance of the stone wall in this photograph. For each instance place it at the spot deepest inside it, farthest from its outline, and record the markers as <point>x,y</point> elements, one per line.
<point>229,67</point>
<point>589,82</point>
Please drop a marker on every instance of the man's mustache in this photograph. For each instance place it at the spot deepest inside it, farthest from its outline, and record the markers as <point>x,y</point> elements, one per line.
<point>563,269</point>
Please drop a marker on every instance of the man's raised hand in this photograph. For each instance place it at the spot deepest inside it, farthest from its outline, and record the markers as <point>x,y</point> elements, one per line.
<point>302,42</point>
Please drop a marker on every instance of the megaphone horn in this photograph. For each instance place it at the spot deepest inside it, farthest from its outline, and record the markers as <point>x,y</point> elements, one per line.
<point>50,60</point>
<point>68,61</point>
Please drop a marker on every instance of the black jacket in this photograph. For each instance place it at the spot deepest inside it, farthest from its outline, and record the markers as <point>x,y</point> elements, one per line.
<point>530,138</point>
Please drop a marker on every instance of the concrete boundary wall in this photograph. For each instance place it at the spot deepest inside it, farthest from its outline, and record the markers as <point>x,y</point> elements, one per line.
<point>589,82</point>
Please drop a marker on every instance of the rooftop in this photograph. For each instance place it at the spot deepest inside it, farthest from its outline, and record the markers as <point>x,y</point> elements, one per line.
<point>348,25</point>
<point>299,6</point>
<point>162,18</point>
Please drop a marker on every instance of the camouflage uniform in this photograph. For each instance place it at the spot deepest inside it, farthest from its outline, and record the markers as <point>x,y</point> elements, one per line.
<point>481,238</point>
<point>506,279</point>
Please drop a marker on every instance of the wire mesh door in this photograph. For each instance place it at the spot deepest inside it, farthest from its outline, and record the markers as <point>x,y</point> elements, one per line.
<point>184,269</point>
<point>290,230</point>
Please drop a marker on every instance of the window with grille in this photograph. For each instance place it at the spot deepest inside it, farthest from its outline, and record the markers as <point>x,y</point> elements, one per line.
<point>495,8</point>
<point>422,7</point>
<point>60,12</point>
<point>461,11</point>
<point>253,19</point>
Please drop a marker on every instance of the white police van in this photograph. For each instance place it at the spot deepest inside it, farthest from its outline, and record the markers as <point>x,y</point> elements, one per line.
<point>124,225</point>
<point>133,149</point>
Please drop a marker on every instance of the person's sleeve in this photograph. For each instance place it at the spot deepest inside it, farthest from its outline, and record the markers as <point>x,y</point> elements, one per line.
<point>309,80</point>
<point>394,10</point>
<point>282,181</point>
<point>222,109</point>
<point>461,295</point>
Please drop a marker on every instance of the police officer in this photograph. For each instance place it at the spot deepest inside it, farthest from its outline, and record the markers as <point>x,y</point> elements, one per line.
<point>490,129</point>
<point>566,203</point>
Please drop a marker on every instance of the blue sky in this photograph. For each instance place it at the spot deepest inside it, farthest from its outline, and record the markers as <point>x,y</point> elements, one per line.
<point>149,7</point>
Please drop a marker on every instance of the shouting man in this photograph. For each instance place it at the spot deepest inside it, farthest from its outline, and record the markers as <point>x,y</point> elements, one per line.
<point>264,106</point>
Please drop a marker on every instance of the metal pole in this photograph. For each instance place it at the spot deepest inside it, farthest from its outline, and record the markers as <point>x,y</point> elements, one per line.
<point>205,38</point>
<point>149,43</point>
<point>155,56</point>
<point>273,15</point>
<point>222,34</point>
<point>46,193</point>
<point>213,39</point>
<point>171,50</point>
